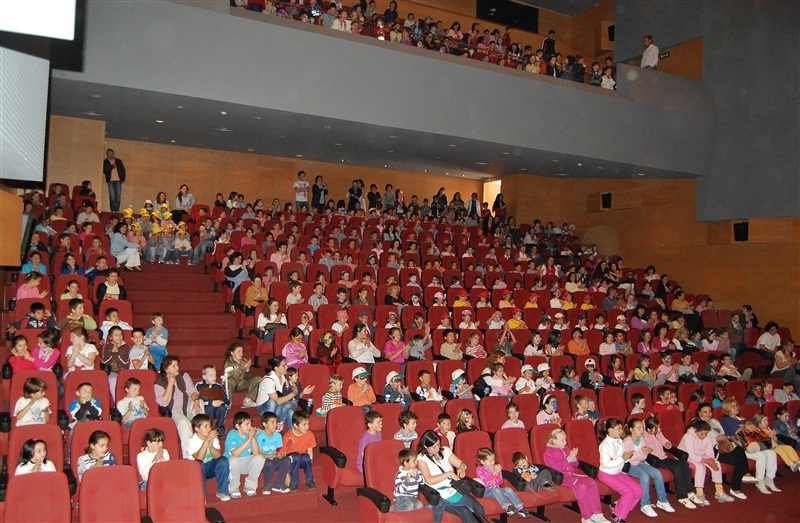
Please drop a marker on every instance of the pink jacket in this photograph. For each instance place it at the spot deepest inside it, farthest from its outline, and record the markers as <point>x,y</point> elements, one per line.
<point>657,443</point>
<point>638,455</point>
<point>556,458</point>
<point>698,449</point>
<point>291,353</point>
<point>488,477</point>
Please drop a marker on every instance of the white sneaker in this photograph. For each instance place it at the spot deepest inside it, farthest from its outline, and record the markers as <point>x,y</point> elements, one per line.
<point>762,488</point>
<point>686,502</point>
<point>249,404</point>
<point>666,507</point>
<point>739,494</point>
<point>770,482</point>
<point>648,511</point>
<point>722,497</point>
<point>794,466</point>
<point>749,479</point>
<point>598,518</point>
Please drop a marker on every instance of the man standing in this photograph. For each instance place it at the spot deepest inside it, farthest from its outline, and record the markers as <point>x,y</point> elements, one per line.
<point>319,193</point>
<point>114,170</point>
<point>301,187</point>
<point>549,45</point>
<point>650,56</point>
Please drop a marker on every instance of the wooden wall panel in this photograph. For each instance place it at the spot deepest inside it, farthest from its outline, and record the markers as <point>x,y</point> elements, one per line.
<point>10,228</point>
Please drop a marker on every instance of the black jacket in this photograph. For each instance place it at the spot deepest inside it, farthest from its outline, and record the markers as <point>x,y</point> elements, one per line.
<point>120,169</point>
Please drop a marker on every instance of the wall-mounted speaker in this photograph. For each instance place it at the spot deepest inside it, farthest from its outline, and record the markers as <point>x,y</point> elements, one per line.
<point>605,199</point>
<point>741,231</point>
<point>611,33</point>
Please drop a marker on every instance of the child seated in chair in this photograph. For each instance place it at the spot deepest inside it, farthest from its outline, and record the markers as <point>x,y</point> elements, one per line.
<point>535,479</point>
<point>406,483</point>
<point>244,455</point>
<point>214,398</point>
<point>374,421</point>
<point>299,444</point>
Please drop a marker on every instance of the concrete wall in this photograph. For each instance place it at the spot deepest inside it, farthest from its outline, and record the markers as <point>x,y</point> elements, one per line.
<point>669,23</point>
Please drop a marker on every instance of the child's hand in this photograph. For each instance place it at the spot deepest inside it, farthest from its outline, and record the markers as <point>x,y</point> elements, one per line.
<point>573,452</point>
<point>497,468</point>
<point>217,403</point>
<point>627,455</point>
<point>667,445</point>
<point>211,435</point>
<point>646,450</point>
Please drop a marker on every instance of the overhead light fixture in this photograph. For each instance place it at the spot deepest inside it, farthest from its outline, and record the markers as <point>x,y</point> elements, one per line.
<point>95,96</point>
<point>505,153</point>
<point>641,174</point>
<point>599,167</point>
<point>159,121</point>
<point>145,137</point>
<point>223,129</point>
<point>524,169</point>
<point>554,161</point>
<point>223,113</point>
<point>337,145</point>
<point>250,150</point>
<point>426,170</point>
<point>172,141</point>
<point>447,173</point>
<point>580,165</point>
<point>298,155</point>
<point>343,160</point>
<point>393,136</point>
<point>389,151</point>
<point>258,118</point>
<point>328,127</point>
<point>92,113</point>
<point>481,163</point>
<point>452,145</point>
<point>179,107</point>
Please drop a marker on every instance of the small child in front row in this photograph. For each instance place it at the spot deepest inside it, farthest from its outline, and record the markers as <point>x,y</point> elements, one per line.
<point>153,452</point>
<point>156,339</point>
<point>333,396</point>
<point>299,444</point>
<point>33,458</point>
<point>270,443</point>
<point>491,475</point>
<point>86,407</point>
<point>97,453</point>
<point>443,425</point>
<point>535,479</point>
<point>701,457</point>
<point>33,408</point>
<point>406,483</point>
<point>132,406</point>
<point>408,428</point>
<point>244,455</point>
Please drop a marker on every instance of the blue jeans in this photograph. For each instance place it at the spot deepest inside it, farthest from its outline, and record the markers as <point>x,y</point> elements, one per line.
<point>220,470</point>
<point>217,415</point>
<point>505,496</point>
<point>273,466</point>
<point>300,461</point>
<point>159,353</point>
<point>200,251</point>
<point>644,472</point>
<point>284,411</point>
<point>462,508</point>
<point>115,195</point>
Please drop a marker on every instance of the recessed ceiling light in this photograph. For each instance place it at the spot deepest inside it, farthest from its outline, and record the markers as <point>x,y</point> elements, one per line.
<point>298,155</point>
<point>524,169</point>
<point>159,121</point>
<point>92,113</point>
<point>199,143</point>
<point>641,174</point>
<point>555,161</point>
<point>580,165</point>
<point>426,170</point>
<point>447,173</point>
<point>386,165</point>
<point>179,107</point>
<point>481,163</point>
<point>599,167</point>
<point>172,141</point>
<point>463,175</point>
<point>505,153</point>
<point>258,118</point>
<point>223,129</point>
<point>393,136</point>
<point>95,96</point>
<point>438,157</point>
<point>343,160</point>
<point>389,151</point>
<point>337,145</point>
<point>223,113</point>
<point>250,150</point>
<point>328,127</point>
<point>145,137</point>
<point>452,145</point>
<point>562,174</point>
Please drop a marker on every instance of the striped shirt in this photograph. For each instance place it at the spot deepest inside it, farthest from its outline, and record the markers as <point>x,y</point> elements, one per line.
<point>405,484</point>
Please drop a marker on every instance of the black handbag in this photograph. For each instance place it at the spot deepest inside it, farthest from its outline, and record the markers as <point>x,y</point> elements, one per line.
<point>462,486</point>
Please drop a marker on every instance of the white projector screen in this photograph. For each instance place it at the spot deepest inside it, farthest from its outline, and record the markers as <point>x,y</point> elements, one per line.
<point>50,18</point>
<point>24,82</point>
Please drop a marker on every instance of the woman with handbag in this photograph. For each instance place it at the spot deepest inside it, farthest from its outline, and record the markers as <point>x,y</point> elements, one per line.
<point>436,464</point>
<point>766,460</point>
<point>768,439</point>
<point>728,451</point>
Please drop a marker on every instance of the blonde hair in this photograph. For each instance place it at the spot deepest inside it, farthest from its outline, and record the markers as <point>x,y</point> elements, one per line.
<point>335,378</point>
<point>552,436</point>
<point>727,405</point>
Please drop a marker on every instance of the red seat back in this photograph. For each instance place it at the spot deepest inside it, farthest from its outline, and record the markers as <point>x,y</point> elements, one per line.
<point>172,442</point>
<point>581,434</point>
<point>379,458</point>
<point>391,413</point>
<point>454,406</point>
<point>427,414</point>
<point>100,389</point>
<point>148,380</point>
<point>344,428</point>
<point>175,492</point>
<point>612,402</point>
<point>538,440</point>
<point>80,440</point>
<point>18,383</point>
<point>671,423</point>
<point>509,441</point>
<point>38,497</point>
<point>49,433</point>
<point>110,483</point>
<point>467,445</point>
<point>492,411</point>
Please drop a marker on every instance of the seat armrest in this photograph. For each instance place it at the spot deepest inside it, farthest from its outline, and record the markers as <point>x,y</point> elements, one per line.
<point>381,502</point>
<point>515,479</point>
<point>446,394</point>
<point>416,397</point>
<point>165,412</point>
<point>588,469</point>
<point>339,459</point>
<point>430,494</point>
<point>558,477</point>
<point>115,415</point>
<point>786,440</point>
<point>214,516</point>
<point>682,455</point>
<point>146,519</point>
<point>62,419</point>
<point>71,480</point>
<point>3,485</point>
<point>5,422</point>
<point>653,461</point>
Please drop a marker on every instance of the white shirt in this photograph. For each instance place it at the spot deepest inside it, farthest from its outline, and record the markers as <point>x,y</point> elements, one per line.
<point>770,341</point>
<point>193,444</point>
<point>27,468</point>
<point>268,385</point>
<point>86,351</point>
<point>363,352</point>
<point>145,461</point>
<point>650,56</point>
<point>35,414</point>
<point>611,451</point>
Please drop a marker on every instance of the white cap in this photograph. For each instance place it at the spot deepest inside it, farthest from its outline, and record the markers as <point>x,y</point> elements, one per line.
<point>392,375</point>
<point>457,374</point>
<point>526,368</point>
<point>358,371</point>
<point>439,296</point>
<point>542,367</point>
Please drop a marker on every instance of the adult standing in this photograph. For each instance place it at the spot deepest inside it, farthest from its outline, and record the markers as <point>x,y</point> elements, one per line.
<point>301,187</point>
<point>650,55</point>
<point>183,204</point>
<point>319,194</point>
<point>114,171</point>
<point>437,464</point>
<point>126,252</point>
<point>549,45</point>
<point>174,390</point>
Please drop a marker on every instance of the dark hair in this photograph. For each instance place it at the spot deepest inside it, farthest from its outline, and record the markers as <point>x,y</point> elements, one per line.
<point>240,417</point>
<point>443,417</point>
<point>372,416</point>
<point>663,390</point>
<point>651,423</point>
<point>28,448</point>
<point>49,338</point>
<point>198,420</point>
<point>275,361</point>
<point>428,439</point>
<point>636,398</point>
<point>299,417</point>
<point>95,438</point>
<point>268,416</point>
<point>166,362</point>
<point>152,435</point>
<point>132,381</point>
<point>405,417</point>
<point>699,425</point>
<point>138,329</point>
<point>769,325</point>
<point>406,455</point>
<point>231,348</point>
<point>608,425</point>
<point>73,304</point>
<point>33,385</point>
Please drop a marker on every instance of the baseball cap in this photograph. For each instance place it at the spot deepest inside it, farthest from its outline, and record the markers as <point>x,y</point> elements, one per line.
<point>457,375</point>
<point>467,312</point>
<point>360,372</point>
<point>559,315</point>
<point>526,368</point>
<point>589,361</point>
<point>542,367</point>
<point>439,296</point>
<point>341,315</point>
<point>621,317</point>
<point>393,375</point>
